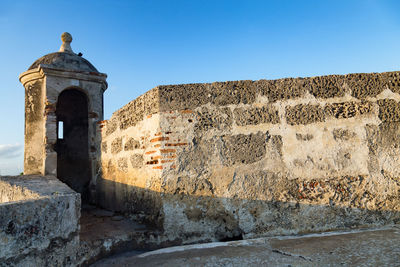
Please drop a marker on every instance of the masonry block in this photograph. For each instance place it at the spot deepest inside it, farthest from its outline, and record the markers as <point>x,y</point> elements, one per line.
<point>256,115</point>
<point>304,114</point>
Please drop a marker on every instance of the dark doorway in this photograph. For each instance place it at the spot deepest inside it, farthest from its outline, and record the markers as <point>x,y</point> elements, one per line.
<point>73,165</point>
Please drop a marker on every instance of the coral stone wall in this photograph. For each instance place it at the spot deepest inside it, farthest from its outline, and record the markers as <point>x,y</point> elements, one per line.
<point>130,175</point>
<point>39,222</point>
<point>251,158</point>
<point>34,121</point>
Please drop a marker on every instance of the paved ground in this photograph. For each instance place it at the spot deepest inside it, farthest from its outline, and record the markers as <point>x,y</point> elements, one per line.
<point>104,233</point>
<point>377,247</point>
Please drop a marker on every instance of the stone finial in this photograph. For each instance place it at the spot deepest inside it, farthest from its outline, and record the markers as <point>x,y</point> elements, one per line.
<point>66,45</point>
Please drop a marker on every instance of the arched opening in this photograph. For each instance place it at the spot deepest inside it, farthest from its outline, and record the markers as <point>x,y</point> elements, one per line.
<point>73,164</point>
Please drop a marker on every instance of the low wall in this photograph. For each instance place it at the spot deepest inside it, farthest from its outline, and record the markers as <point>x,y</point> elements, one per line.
<point>251,158</point>
<point>38,222</point>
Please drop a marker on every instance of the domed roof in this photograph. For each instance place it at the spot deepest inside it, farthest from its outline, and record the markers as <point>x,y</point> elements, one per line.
<point>64,59</point>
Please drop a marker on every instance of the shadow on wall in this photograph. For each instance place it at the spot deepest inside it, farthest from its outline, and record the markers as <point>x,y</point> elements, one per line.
<point>189,218</point>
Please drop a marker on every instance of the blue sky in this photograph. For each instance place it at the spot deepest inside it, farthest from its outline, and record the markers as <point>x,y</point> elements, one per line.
<point>142,44</point>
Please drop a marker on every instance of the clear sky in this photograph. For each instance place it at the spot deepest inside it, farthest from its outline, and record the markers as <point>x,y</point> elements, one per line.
<point>142,44</point>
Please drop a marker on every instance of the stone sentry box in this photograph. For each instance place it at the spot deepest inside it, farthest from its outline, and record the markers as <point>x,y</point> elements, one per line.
<point>65,89</point>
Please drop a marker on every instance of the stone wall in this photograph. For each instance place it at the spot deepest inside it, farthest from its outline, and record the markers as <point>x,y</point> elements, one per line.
<point>33,127</point>
<point>38,222</point>
<point>251,158</point>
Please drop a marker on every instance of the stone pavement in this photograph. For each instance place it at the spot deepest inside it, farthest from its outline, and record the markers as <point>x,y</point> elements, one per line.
<point>104,233</point>
<point>371,247</point>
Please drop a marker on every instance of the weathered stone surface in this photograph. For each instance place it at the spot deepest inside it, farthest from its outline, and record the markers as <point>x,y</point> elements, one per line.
<point>326,86</point>
<point>131,144</point>
<point>34,106</point>
<point>343,188</point>
<point>384,150</point>
<point>104,147</point>
<point>276,142</point>
<point>183,96</point>
<point>342,134</point>
<point>213,119</point>
<point>199,155</point>
<point>136,160</point>
<point>348,109</point>
<point>111,126</point>
<point>151,102</point>
<point>304,114</point>
<point>38,222</point>
<point>33,102</point>
<point>235,92</point>
<point>256,115</point>
<point>389,110</point>
<point>304,137</point>
<point>183,185</point>
<point>123,164</point>
<point>391,80</point>
<point>116,145</point>
<point>243,149</point>
<point>129,115</point>
<point>282,89</point>
<point>363,85</point>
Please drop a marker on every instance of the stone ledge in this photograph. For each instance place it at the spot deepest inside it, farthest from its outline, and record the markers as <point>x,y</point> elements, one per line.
<point>35,211</point>
<point>167,98</point>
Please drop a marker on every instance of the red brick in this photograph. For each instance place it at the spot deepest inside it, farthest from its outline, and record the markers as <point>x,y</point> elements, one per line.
<point>159,139</point>
<point>168,150</point>
<point>151,162</point>
<point>167,160</point>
